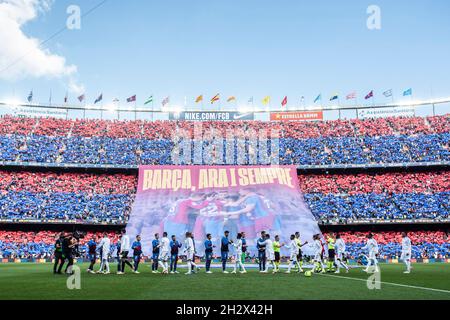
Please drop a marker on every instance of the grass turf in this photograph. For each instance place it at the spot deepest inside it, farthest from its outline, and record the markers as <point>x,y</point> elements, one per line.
<point>36,282</point>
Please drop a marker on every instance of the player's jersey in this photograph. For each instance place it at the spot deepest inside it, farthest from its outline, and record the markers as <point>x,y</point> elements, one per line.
<point>137,248</point>
<point>340,246</point>
<point>318,247</point>
<point>371,246</point>
<point>331,244</point>
<point>293,247</point>
<point>298,242</point>
<point>269,247</point>
<point>238,246</point>
<point>92,247</point>
<point>105,246</point>
<point>189,245</point>
<point>276,246</point>
<point>125,243</point>
<point>406,244</point>
<point>165,244</point>
<point>155,246</point>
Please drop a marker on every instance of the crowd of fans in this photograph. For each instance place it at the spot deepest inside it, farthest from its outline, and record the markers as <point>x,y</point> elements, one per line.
<point>390,196</point>
<point>426,244</point>
<point>372,141</point>
<point>87,198</point>
<point>165,129</point>
<point>107,198</point>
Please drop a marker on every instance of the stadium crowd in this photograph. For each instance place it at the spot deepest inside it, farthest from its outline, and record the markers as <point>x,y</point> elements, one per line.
<point>107,198</point>
<point>63,197</point>
<point>372,141</point>
<point>426,244</point>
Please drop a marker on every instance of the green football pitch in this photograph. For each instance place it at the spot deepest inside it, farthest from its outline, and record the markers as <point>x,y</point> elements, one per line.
<point>36,281</point>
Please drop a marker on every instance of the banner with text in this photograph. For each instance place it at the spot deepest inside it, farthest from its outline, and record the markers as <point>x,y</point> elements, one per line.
<point>386,112</point>
<point>296,116</point>
<point>212,199</point>
<point>212,116</point>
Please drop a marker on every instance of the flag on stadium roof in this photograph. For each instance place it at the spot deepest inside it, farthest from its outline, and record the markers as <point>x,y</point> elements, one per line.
<point>30,96</point>
<point>215,98</point>
<point>266,100</point>
<point>81,98</point>
<point>232,98</point>
<point>100,98</point>
<point>408,92</point>
<point>388,93</point>
<point>149,100</point>
<point>116,100</point>
<point>165,101</point>
<point>66,98</point>
<point>199,99</point>
<point>250,100</point>
<point>284,102</point>
<point>334,97</point>
<point>319,97</point>
<point>132,99</point>
<point>369,95</point>
<point>351,95</point>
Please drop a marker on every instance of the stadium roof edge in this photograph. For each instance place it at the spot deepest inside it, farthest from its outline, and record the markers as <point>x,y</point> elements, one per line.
<point>413,103</point>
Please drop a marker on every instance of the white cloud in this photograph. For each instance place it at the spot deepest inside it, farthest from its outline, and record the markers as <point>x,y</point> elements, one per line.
<point>21,56</point>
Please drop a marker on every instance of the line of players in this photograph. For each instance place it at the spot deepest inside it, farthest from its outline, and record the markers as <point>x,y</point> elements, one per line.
<point>165,253</point>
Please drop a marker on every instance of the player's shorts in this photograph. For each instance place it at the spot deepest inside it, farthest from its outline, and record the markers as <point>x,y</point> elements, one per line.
<point>190,256</point>
<point>318,257</point>
<point>277,257</point>
<point>238,256</point>
<point>92,257</point>
<point>331,254</point>
<point>270,256</point>
<point>293,257</point>
<point>405,255</point>
<point>124,255</point>
<point>372,255</point>
<point>299,255</point>
<point>339,256</point>
<point>164,256</point>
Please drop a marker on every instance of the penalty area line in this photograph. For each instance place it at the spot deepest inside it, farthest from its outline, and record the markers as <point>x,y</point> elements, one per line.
<point>389,283</point>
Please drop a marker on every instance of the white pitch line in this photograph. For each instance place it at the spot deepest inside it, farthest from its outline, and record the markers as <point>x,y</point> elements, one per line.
<point>390,283</point>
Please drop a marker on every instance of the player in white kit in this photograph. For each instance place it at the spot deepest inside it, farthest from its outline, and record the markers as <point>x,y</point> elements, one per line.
<point>238,255</point>
<point>318,250</point>
<point>270,254</point>
<point>190,252</point>
<point>406,251</point>
<point>372,247</point>
<point>340,252</point>
<point>293,253</point>
<point>105,247</point>
<point>164,253</point>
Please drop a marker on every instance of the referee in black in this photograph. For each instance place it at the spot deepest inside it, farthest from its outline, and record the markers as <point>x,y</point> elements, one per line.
<point>59,259</point>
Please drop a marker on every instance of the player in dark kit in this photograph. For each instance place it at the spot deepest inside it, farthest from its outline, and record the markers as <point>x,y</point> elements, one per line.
<point>155,253</point>
<point>262,251</point>
<point>137,252</point>
<point>175,246</point>
<point>58,255</point>
<point>92,254</point>
<point>68,244</point>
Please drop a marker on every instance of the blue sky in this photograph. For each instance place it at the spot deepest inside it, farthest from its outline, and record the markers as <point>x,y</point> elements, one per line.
<point>243,48</point>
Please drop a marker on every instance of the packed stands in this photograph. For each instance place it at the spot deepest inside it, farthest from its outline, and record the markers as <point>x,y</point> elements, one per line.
<point>51,197</point>
<point>378,197</point>
<point>101,142</point>
<point>100,198</point>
